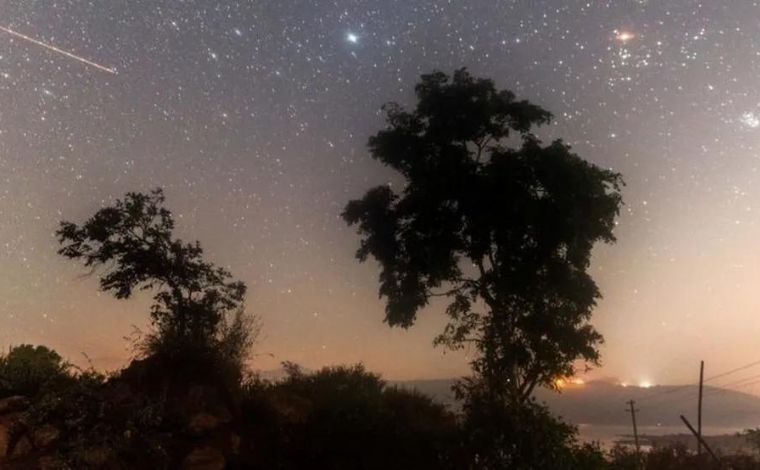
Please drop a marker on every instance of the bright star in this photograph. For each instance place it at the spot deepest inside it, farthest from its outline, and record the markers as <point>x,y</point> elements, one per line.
<point>624,36</point>
<point>750,120</point>
<point>352,38</point>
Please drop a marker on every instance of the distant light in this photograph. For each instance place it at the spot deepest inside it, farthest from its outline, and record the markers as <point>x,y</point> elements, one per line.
<point>624,36</point>
<point>564,382</point>
<point>645,384</point>
<point>352,38</point>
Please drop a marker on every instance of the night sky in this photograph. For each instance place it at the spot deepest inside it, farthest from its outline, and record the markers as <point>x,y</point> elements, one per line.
<point>254,117</point>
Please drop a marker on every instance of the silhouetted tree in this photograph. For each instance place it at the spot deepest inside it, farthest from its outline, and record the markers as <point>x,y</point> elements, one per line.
<point>132,243</point>
<point>492,219</point>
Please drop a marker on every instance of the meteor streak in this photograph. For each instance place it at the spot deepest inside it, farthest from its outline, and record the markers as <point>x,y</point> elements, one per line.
<point>60,51</point>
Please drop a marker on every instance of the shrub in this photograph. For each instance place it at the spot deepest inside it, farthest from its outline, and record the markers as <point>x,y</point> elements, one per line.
<point>347,418</point>
<point>26,369</point>
<point>502,434</point>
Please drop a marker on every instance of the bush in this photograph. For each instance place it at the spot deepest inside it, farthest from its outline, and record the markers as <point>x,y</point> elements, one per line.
<point>346,418</point>
<point>224,352</point>
<point>27,369</point>
<point>520,435</point>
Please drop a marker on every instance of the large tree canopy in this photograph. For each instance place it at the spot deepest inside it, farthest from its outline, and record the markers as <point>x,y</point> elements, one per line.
<point>494,220</point>
<point>132,243</point>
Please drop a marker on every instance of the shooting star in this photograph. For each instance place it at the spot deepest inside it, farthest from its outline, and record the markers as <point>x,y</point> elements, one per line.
<point>60,51</point>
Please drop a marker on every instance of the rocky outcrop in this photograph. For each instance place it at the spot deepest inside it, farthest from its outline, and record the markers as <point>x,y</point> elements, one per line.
<point>11,419</point>
<point>13,404</point>
<point>6,427</point>
<point>148,413</point>
<point>204,458</point>
<point>204,423</point>
<point>20,445</point>
<point>45,435</point>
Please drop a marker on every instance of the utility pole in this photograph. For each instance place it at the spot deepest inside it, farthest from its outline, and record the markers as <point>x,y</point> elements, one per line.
<point>633,411</point>
<point>699,409</point>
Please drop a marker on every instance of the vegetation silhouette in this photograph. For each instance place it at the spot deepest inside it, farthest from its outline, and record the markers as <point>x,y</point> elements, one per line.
<point>503,226</point>
<point>675,457</point>
<point>505,232</point>
<point>188,401</point>
<point>488,217</point>
<point>27,369</point>
<point>197,307</point>
<point>347,418</point>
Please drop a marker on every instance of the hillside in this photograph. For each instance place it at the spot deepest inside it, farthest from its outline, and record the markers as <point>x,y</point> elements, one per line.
<point>604,403</point>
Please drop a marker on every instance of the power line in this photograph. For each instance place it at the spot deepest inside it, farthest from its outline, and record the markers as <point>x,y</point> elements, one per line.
<point>737,382</point>
<point>718,391</point>
<point>681,388</point>
<point>747,366</point>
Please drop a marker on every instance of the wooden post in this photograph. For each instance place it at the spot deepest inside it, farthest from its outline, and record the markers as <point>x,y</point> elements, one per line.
<point>704,444</point>
<point>699,407</point>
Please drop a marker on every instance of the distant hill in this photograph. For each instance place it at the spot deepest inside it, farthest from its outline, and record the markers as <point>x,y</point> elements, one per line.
<point>605,403</point>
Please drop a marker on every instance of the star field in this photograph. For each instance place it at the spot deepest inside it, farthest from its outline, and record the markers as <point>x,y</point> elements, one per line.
<point>254,117</point>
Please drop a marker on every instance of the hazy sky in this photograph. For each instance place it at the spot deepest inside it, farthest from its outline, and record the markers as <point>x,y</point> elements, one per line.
<point>254,117</point>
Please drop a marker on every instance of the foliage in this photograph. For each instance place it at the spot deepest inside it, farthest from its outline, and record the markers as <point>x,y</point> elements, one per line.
<point>624,457</point>
<point>504,232</point>
<point>520,436</point>
<point>27,369</point>
<point>675,457</point>
<point>196,304</point>
<point>97,431</point>
<point>347,418</point>
<point>753,438</point>
<point>73,402</point>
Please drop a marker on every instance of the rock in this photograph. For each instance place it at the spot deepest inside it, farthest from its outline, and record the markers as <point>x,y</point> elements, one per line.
<point>203,423</point>
<point>97,456</point>
<point>204,458</point>
<point>23,447</point>
<point>235,442</point>
<point>49,463</point>
<point>5,438</point>
<point>45,435</point>
<point>10,430</point>
<point>12,404</point>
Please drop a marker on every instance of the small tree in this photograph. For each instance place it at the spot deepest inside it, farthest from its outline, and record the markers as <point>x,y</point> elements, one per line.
<point>132,243</point>
<point>505,232</point>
